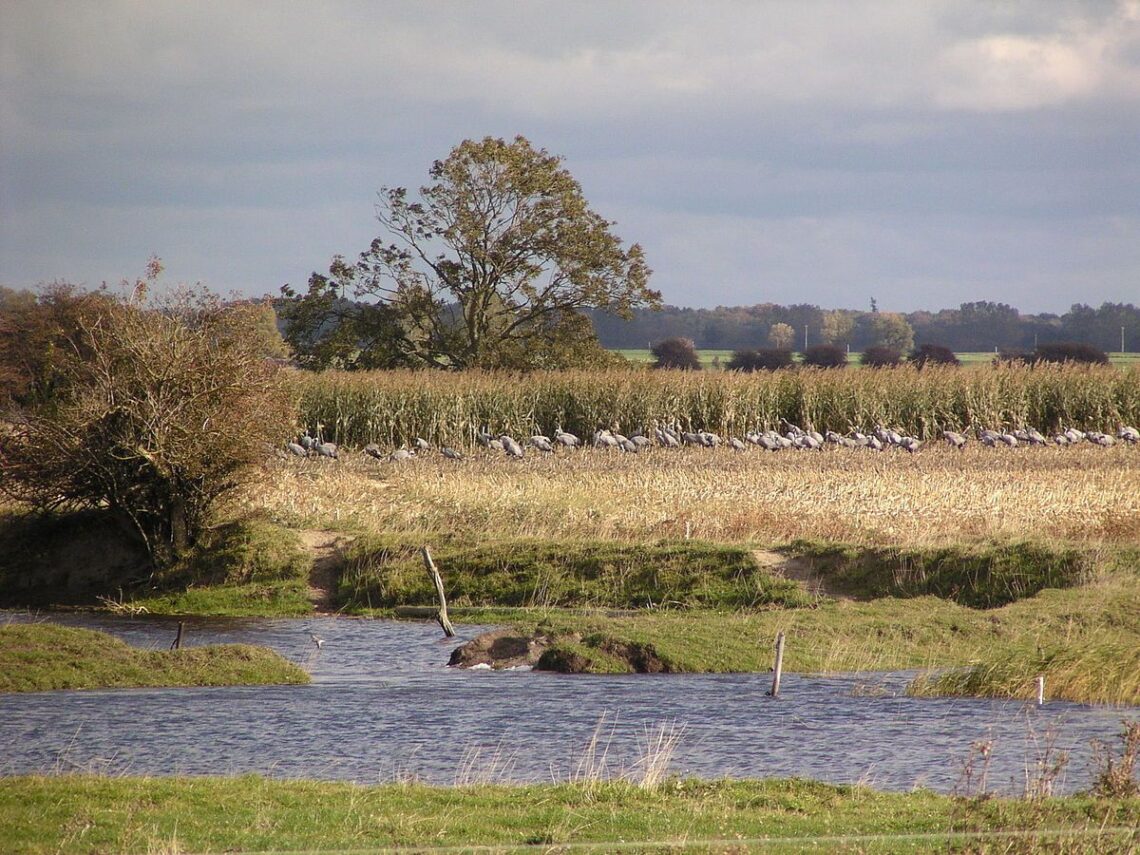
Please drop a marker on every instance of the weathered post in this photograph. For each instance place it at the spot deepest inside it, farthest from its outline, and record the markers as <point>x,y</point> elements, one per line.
<point>441,615</point>
<point>779,669</point>
<point>1040,689</point>
<point>177,643</point>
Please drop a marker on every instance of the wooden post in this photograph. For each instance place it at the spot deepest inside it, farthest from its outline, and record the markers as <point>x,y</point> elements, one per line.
<point>1040,689</point>
<point>441,615</point>
<point>779,669</point>
<point>177,643</point>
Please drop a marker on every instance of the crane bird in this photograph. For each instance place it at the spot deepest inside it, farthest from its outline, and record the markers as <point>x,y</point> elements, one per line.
<point>420,444</point>
<point>373,450</point>
<point>954,439</point>
<point>604,439</point>
<point>317,640</point>
<point>298,450</point>
<point>542,443</point>
<point>565,439</point>
<point>450,453</point>
<point>511,447</point>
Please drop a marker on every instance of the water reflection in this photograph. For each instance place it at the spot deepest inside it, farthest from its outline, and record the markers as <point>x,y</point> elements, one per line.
<point>383,705</point>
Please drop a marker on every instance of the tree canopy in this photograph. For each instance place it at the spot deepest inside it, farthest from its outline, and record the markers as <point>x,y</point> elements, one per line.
<point>490,267</point>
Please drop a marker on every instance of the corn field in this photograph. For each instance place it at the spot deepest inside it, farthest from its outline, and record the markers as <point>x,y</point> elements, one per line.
<point>392,407</point>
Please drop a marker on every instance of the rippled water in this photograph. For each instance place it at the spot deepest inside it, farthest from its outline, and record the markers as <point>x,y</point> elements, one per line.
<point>383,705</point>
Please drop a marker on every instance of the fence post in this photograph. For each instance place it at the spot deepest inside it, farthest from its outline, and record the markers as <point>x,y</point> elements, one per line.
<point>779,669</point>
<point>177,643</point>
<point>1040,689</point>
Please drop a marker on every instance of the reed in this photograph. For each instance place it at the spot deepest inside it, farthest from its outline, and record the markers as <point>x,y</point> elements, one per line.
<point>391,408</point>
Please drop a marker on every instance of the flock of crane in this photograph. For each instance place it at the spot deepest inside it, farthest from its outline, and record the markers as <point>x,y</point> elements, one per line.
<point>792,437</point>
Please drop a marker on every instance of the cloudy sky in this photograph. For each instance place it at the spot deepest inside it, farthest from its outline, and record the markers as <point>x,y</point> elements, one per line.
<point>924,153</point>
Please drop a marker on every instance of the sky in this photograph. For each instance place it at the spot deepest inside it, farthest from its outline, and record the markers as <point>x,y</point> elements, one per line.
<point>924,153</point>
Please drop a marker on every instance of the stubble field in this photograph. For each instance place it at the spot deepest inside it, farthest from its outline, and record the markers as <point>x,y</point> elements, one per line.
<point>1086,495</point>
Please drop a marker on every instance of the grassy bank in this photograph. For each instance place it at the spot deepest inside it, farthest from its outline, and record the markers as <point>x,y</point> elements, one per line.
<point>43,657</point>
<point>244,566</point>
<point>1084,640</point>
<point>1013,610</point>
<point>250,814</point>
<point>387,572</point>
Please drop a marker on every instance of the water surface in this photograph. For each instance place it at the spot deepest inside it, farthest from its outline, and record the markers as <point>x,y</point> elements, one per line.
<point>383,706</point>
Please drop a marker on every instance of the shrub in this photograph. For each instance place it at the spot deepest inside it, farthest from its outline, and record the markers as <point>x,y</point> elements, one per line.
<point>880,356</point>
<point>933,354</point>
<point>676,353</point>
<point>1009,356</point>
<point>1069,351</point>
<point>826,356</point>
<point>765,359</point>
<point>155,413</point>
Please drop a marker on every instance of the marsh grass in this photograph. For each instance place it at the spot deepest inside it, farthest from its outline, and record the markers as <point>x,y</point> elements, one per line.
<point>44,657</point>
<point>1116,776</point>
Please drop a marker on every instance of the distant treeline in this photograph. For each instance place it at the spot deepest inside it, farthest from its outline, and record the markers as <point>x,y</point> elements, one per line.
<point>981,326</point>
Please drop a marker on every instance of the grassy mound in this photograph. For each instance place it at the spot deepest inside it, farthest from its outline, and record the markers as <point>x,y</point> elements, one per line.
<point>384,573</point>
<point>569,574</point>
<point>981,576</point>
<point>43,657</point>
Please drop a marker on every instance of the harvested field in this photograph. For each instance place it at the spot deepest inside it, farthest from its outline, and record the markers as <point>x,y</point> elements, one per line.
<point>1084,495</point>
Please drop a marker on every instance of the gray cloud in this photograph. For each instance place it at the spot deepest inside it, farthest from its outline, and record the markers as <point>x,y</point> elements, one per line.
<point>928,153</point>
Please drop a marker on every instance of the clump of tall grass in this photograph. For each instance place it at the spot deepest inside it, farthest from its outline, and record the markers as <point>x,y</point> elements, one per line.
<point>1102,667</point>
<point>391,408</point>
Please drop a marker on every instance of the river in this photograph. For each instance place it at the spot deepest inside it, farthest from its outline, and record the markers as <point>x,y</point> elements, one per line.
<point>384,706</point>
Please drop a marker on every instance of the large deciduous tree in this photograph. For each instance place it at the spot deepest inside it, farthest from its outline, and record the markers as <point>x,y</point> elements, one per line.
<point>488,268</point>
<point>147,412</point>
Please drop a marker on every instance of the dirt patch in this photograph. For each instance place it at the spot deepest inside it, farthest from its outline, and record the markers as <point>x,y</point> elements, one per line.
<point>801,570</point>
<point>500,649</point>
<point>327,551</point>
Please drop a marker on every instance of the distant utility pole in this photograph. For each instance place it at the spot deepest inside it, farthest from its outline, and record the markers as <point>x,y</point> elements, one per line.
<point>805,337</point>
<point>1122,341</point>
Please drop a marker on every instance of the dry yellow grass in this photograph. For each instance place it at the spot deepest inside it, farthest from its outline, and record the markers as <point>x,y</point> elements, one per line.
<point>1083,495</point>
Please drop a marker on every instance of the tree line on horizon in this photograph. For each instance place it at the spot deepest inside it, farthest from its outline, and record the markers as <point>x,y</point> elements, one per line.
<point>972,327</point>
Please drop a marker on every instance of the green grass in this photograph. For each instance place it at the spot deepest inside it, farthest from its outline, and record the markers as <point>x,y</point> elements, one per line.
<point>1083,639</point>
<point>242,568</point>
<point>567,574</point>
<point>386,572</point>
<point>280,598</point>
<point>44,657</point>
<point>982,577</point>
<point>252,814</point>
